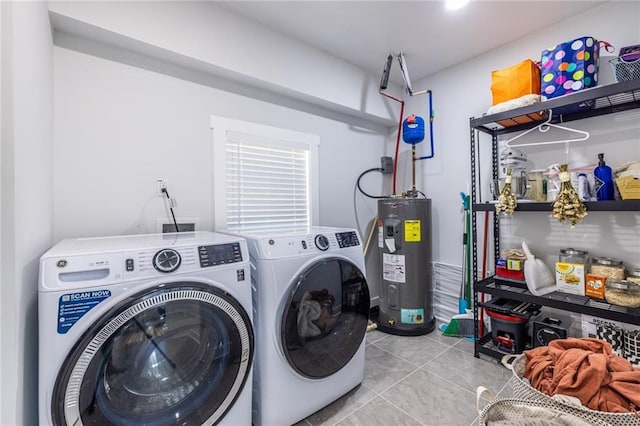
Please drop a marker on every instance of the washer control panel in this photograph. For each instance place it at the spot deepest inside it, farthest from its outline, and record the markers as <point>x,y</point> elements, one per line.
<point>347,239</point>
<point>219,254</point>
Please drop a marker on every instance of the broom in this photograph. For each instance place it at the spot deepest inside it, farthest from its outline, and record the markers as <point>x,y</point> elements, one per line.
<point>462,324</point>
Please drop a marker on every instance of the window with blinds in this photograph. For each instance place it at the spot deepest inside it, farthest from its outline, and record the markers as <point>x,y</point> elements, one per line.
<point>268,177</point>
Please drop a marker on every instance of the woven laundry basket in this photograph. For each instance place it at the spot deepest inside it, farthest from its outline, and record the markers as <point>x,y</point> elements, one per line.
<point>512,411</point>
<point>522,390</point>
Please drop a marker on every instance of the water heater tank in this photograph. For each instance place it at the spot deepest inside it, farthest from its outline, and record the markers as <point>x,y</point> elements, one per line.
<point>404,243</point>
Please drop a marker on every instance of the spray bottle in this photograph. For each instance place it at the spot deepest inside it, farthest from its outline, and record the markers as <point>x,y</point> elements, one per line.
<point>603,180</point>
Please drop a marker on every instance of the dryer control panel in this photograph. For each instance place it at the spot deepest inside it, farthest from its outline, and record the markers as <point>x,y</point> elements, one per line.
<point>347,239</point>
<point>219,254</point>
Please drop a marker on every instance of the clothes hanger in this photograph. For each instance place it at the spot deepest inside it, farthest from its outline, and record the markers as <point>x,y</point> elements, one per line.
<point>543,128</point>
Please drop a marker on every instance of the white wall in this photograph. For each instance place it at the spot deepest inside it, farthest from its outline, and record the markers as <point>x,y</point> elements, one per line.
<point>118,128</point>
<point>204,36</point>
<point>26,190</point>
<point>3,89</point>
<point>463,91</point>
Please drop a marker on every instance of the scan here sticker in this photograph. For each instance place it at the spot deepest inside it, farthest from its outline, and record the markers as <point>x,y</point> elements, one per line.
<point>72,306</point>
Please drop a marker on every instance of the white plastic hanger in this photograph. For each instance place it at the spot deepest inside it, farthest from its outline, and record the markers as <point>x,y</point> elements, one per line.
<point>544,127</point>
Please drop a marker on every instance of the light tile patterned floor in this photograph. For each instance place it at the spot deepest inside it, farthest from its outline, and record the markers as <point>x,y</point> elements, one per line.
<point>422,380</point>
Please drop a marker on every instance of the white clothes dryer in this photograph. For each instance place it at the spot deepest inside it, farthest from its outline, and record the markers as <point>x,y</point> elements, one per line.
<point>311,304</point>
<point>146,329</point>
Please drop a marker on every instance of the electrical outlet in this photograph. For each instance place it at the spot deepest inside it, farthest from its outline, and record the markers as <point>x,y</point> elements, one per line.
<point>161,183</point>
<point>182,227</point>
<point>185,224</point>
<point>386,164</point>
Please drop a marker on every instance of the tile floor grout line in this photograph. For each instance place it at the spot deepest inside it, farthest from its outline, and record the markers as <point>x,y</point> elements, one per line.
<point>333,423</point>
<point>412,363</point>
<point>435,357</point>
<point>396,356</point>
<point>398,381</point>
<point>422,367</point>
<point>399,408</point>
<point>356,409</point>
<point>504,386</point>
<point>449,381</point>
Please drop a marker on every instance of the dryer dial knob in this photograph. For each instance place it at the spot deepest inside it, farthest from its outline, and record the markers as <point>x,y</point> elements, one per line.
<point>322,242</point>
<point>166,260</point>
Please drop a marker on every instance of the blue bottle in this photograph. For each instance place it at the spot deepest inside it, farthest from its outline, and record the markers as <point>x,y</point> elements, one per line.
<point>603,180</point>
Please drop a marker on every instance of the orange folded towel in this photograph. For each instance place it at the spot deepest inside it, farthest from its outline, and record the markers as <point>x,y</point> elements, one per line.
<point>586,369</point>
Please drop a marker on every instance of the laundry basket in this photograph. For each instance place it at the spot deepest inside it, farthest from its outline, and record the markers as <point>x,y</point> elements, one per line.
<point>625,70</point>
<point>522,390</point>
<point>510,411</point>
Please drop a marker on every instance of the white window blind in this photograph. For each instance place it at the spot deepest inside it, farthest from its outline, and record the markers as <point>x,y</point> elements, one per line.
<point>267,183</point>
<point>268,179</point>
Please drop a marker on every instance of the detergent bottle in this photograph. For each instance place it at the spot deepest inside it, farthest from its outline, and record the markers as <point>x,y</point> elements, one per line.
<point>603,180</point>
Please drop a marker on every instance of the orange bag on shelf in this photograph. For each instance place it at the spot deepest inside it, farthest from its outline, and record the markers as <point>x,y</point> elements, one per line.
<point>515,81</point>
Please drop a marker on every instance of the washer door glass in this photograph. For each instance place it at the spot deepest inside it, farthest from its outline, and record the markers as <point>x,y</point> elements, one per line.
<point>177,355</point>
<point>325,317</point>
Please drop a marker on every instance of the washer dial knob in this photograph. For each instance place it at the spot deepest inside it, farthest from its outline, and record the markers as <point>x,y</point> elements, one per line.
<point>166,260</point>
<point>321,242</point>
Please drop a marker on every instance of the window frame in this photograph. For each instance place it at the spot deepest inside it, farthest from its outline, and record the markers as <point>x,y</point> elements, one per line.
<point>285,137</point>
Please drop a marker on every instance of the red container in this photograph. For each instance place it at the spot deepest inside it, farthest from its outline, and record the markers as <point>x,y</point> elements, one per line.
<point>503,272</point>
<point>508,332</point>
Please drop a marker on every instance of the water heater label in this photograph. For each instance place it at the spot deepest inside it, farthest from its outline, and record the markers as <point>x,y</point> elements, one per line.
<point>412,316</point>
<point>412,231</point>
<point>73,306</point>
<point>393,267</point>
<point>380,233</point>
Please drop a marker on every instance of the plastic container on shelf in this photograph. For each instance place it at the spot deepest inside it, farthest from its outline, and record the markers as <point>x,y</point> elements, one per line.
<point>608,267</point>
<point>634,275</point>
<point>622,293</point>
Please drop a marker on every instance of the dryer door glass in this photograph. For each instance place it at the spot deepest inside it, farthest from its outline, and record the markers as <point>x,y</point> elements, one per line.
<point>177,355</point>
<point>325,317</point>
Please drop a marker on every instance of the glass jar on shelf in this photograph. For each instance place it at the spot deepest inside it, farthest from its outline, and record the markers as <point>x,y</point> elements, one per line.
<point>622,293</point>
<point>608,267</point>
<point>634,275</point>
<point>571,255</point>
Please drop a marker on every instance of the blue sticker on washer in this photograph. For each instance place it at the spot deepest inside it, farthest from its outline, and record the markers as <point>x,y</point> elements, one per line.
<point>72,306</point>
<point>412,316</point>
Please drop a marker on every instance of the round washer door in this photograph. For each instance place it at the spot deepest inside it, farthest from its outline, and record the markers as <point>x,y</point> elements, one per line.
<point>325,317</point>
<point>179,354</point>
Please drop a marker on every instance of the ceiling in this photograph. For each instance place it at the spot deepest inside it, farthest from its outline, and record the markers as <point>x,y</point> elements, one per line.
<point>431,37</point>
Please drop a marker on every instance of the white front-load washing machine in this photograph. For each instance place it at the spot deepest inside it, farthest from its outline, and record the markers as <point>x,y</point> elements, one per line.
<point>311,304</point>
<point>146,330</point>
